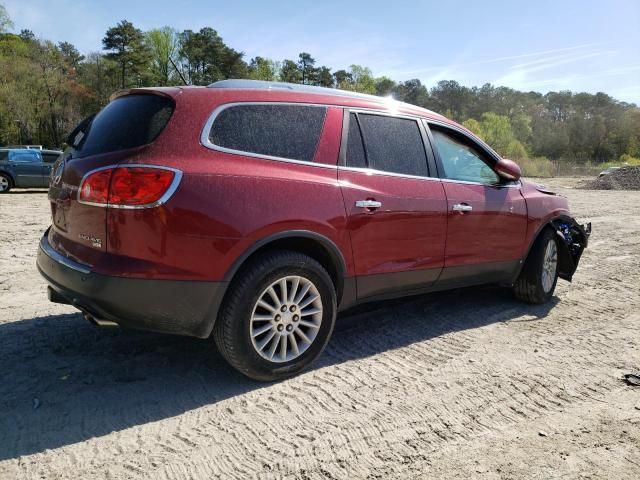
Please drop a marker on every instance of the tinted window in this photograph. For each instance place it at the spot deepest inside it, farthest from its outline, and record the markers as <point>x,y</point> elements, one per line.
<point>50,157</point>
<point>462,161</point>
<point>355,149</point>
<point>394,144</point>
<point>4,155</point>
<point>127,122</point>
<point>285,131</point>
<point>25,156</point>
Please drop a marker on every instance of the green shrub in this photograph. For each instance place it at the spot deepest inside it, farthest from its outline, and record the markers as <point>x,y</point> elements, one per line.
<point>625,158</point>
<point>537,167</point>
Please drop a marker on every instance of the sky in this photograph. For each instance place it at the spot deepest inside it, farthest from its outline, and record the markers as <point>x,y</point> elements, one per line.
<point>537,45</point>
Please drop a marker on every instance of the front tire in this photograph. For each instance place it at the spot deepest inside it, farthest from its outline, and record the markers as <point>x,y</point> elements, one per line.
<point>5,183</point>
<point>539,277</point>
<point>277,317</point>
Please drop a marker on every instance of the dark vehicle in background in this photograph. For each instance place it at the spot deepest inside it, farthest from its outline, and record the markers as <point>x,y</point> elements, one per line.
<point>255,211</point>
<point>25,167</point>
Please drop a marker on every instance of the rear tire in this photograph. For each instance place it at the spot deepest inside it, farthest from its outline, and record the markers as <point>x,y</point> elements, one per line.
<point>5,183</point>
<point>538,278</point>
<point>277,317</point>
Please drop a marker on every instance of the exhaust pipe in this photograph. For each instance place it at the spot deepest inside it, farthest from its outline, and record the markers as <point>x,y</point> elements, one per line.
<point>97,321</point>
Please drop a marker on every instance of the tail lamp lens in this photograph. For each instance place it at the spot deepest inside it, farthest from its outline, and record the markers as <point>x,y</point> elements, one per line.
<point>126,186</point>
<point>95,188</point>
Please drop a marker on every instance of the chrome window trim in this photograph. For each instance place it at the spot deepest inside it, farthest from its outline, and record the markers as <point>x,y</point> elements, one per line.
<point>481,144</point>
<point>370,111</point>
<point>57,257</point>
<point>163,199</point>
<point>206,142</point>
<point>492,185</point>
<point>270,86</point>
<point>373,171</point>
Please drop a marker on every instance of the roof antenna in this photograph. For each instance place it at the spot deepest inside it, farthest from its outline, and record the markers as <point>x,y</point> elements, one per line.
<point>179,72</point>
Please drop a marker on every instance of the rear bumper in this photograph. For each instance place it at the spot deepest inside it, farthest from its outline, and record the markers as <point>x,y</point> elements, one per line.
<point>168,306</point>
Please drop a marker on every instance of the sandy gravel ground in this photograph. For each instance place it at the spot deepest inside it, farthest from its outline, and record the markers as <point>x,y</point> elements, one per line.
<point>465,384</point>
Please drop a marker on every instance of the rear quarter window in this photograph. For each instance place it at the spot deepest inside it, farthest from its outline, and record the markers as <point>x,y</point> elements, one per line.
<point>126,122</point>
<point>282,131</point>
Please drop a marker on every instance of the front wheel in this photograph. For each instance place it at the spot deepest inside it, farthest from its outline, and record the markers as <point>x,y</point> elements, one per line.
<point>539,277</point>
<point>5,183</point>
<point>278,316</point>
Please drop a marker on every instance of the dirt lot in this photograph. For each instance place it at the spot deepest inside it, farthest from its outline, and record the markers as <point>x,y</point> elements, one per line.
<point>465,384</point>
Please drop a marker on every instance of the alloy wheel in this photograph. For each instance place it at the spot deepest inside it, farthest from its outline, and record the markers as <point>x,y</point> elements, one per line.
<point>549,266</point>
<point>286,319</point>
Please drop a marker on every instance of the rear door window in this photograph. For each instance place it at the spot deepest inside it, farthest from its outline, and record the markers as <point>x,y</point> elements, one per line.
<point>281,131</point>
<point>394,144</point>
<point>126,122</point>
<point>50,157</point>
<point>25,156</point>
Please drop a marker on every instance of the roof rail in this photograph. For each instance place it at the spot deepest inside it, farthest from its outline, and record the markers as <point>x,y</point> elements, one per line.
<point>293,87</point>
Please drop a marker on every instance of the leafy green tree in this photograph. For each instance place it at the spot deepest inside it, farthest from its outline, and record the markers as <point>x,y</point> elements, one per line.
<point>306,66</point>
<point>414,92</point>
<point>497,132</point>
<point>27,35</point>
<point>164,45</point>
<point>5,21</point>
<point>71,56</point>
<point>324,78</point>
<point>261,68</point>
<point>449,95</point>
<point>361,80</point>
<point>231,64</point>
<point>385,86</point>
<point>289,72</point>
<point>126,46</point>
<point>206,58</point>
<point>342,79</point>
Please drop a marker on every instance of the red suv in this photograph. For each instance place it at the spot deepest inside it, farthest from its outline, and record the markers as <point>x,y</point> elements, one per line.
<point>254,211</point>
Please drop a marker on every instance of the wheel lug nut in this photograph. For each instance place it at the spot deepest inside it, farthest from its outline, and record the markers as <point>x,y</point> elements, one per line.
<point>296,318</point>
<point>283,308</point>
<point>278,317</point>
<point>289,328</point>
<point>280,327</point>
<point>293,308</point>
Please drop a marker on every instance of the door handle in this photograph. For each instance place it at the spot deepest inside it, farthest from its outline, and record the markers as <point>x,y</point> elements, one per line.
<point>368,204</point>
<point>462,207</point>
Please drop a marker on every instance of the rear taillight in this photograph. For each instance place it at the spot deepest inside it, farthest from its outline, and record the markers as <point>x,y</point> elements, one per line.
<point>132,186</point>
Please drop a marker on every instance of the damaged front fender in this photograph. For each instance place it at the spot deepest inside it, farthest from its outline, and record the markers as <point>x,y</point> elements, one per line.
<point>573,239</point>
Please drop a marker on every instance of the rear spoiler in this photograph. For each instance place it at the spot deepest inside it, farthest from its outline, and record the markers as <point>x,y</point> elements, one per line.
<point>169,92</point>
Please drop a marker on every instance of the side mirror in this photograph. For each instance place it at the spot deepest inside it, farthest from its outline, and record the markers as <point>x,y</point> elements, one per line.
<point>508,169</point>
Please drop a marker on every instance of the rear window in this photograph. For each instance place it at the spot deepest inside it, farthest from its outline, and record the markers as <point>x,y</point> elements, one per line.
<point>283,131</point>
<point>126,122</point>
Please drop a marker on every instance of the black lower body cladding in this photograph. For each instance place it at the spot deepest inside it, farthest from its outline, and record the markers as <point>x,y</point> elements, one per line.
<point>168,306</point>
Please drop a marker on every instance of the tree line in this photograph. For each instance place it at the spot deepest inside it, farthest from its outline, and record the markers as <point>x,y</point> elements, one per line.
<point>47,88</point>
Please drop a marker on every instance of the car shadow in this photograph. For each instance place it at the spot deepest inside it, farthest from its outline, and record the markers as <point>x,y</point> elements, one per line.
<point>63,381</point>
